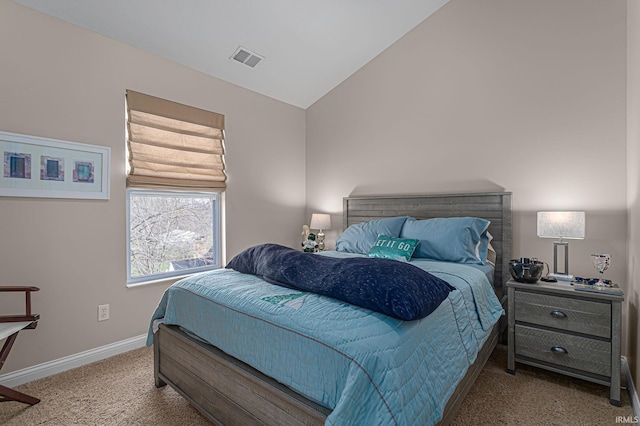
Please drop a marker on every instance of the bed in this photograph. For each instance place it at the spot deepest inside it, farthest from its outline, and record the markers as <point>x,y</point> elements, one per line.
<point>226,380</point>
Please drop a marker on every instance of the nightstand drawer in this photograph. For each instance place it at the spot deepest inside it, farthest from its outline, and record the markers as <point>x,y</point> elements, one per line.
<point>581,316</point>
<point>580,353</point>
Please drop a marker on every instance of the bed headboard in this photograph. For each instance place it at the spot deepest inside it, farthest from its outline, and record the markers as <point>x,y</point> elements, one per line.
<point>494,206</point>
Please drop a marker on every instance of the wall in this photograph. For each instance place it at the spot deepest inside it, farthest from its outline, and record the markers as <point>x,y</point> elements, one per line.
<point>516,95</point>
<point>62,82</point>
<point>633,180</point>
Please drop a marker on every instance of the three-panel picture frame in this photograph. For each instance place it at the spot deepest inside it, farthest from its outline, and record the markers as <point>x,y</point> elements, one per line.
<point>51,168</point>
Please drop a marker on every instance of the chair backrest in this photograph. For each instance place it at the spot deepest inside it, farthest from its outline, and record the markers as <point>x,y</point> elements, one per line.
<point>10,326</point>
<point>28,316</point>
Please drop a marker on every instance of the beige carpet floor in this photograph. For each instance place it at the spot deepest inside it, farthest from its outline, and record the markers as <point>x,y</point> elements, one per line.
<point>120,391</point>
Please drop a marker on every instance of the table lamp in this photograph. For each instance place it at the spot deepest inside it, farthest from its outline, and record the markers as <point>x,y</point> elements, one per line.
<point>320,221</point>
<point>569,225</point>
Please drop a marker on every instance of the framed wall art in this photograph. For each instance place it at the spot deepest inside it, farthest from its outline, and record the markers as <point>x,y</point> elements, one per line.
<point>40,167</point>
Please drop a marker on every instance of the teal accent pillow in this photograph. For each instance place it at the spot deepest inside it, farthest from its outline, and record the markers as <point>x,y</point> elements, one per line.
<point>451,239</point>
<point>359,238</point>
<point>393,248</point>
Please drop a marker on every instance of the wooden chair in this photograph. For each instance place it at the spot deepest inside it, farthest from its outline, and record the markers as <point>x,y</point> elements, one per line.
<point>10,326</point>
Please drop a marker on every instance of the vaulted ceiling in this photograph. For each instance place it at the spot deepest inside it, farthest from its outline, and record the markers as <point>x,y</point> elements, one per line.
<point>303,48</point>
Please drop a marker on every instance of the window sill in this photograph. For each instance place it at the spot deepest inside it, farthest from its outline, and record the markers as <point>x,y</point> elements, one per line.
<point>165,281</point>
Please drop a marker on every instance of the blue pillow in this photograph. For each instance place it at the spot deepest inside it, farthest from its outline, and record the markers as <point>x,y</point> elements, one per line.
<point>453,239</point>
<point>359,238</point>
<point>387,247</point>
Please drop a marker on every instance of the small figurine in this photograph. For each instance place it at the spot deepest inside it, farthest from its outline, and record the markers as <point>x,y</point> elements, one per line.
<point>305,231</point>
<point>310,245</point>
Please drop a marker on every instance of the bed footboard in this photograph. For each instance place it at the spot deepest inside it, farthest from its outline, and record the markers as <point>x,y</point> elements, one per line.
<point>230,392</point>
<point>224,389</point>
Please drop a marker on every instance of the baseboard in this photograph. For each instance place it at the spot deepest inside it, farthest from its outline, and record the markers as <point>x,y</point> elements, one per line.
<point>633,394</point>
<point>50,368</point>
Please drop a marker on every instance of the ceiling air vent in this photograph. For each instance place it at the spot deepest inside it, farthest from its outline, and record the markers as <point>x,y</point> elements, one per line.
<point>247,57</point>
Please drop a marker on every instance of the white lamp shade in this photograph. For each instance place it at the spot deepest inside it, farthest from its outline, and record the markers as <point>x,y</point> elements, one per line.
<point>561,225</point>
<point>320,221</point>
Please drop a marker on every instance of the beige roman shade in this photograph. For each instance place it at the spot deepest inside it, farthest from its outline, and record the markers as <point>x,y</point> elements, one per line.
<point>172,145</point>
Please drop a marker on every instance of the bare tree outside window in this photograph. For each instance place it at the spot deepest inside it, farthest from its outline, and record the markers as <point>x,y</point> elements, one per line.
<point>171,232</point>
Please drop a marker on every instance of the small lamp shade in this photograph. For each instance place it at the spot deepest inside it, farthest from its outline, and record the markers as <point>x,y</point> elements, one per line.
<point>568,225</point>
<point>320,221</point>
<point>561,225</point>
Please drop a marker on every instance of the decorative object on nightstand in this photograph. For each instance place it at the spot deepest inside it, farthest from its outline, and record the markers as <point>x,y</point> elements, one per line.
<point>601,263</point>
<point>610,288</point>
<point>305,231</point>
<point>310,245</point>
<point>598,285</point>
<point>320,221</point>
<point>576,333</point>
<point>569,225</point>
<point>526,270</point>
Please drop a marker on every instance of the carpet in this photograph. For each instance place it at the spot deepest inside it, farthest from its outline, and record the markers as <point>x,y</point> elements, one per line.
<point>120,391</point>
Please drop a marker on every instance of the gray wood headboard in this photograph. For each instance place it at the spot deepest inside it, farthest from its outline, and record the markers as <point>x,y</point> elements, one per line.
<point>494,206</point>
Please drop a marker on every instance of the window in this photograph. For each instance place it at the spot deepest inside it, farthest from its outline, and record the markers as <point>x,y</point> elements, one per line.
<point>172,233</point>
<point>175,180</point>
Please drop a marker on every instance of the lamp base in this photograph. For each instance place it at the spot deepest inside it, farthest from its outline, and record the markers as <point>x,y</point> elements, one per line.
<point>561,277</point>
<point>320,240</point>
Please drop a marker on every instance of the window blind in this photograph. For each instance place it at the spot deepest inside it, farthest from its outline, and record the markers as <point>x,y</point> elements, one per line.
<point>171,145</point>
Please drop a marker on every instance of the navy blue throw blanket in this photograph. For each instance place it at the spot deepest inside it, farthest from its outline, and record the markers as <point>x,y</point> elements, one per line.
<point>391,287</point>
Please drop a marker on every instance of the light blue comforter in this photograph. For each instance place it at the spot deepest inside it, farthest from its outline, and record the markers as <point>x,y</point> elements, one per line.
<point>367,367</point>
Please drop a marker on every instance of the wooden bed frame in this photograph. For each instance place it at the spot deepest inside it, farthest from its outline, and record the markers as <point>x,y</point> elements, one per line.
<point>230,392</point>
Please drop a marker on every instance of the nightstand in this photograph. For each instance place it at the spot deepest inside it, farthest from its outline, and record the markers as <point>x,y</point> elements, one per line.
<point>577,333</point>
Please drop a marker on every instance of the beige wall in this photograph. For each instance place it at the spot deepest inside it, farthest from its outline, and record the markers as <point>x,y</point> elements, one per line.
<point>516,95</point>
<point>62,82</point>
<point>633,181</point>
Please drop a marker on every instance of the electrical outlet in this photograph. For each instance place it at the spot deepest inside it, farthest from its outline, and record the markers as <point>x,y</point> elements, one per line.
<point>103,312</point>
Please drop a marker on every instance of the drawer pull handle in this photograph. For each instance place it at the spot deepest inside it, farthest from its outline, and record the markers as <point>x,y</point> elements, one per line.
<point>559,350</point>
<point>558,314</point>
